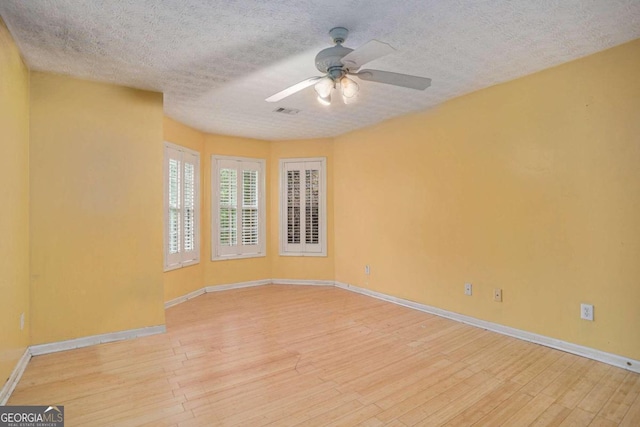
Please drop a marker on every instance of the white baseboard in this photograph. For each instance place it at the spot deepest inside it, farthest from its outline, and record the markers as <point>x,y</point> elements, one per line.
<point>591,353</point>
<point>95,339</point>
<point>249,284</point>
<point>15,376</point>
<point>184,298</point>
<point>215,288</point>
<point>302,282</point>
<point>218,288</point>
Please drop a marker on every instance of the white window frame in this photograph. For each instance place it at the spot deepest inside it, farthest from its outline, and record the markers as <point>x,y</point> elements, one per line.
<point>301,249</point>
<point>182,258</point>
<point>238,251</point>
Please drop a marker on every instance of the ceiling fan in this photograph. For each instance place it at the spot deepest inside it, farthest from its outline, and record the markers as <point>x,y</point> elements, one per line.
<point>339,62</point>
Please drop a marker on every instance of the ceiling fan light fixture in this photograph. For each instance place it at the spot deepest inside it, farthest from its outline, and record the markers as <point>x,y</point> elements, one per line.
<point>349,88</point>
<point>349,100</point>
<point>325,100</point>
<point>324,87</point>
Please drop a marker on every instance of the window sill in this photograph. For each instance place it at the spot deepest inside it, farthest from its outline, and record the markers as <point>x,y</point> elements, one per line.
<point>304,254</point>
<point>232,257</point>
<point>179,266</point>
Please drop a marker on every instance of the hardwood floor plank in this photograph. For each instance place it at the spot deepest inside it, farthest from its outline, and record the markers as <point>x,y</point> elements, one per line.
<point>529,413</point>
<point>392,370</point>
<point>478,360</point>
<point>577,418</point>
<point>616,408</point>
<point>301,416</point>
<point>407,382</point>
<point>294,407</point>
<point>602,422</point>
<point>403,401</point>
<point>331,416</point>
<point>515,366</point>
<point>487,405</point>
<point>553,416</point>
<point>273,409</point>
<point>372,422</point>
<point>595,400</point>
<point>562,384</point>
<point>483,341</point>
<point>357,417</point>
<point>234,400</point>
<point>583,386</point>
<point>532,371</point>
<point>549,374</point>
<point>514,353</point>
<point>452,401</point>
<point>632,417</point>
<point>505,410</point>
<point>460,404</point>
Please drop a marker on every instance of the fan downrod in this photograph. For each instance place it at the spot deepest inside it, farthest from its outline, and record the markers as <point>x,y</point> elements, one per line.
<point>328,60</point>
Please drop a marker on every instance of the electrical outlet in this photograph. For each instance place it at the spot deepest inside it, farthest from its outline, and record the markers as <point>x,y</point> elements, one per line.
<point>586,312</point>
<point>497,294</point>
<point>367,270</point>
<point>22,321</point>
<point>468,289</point>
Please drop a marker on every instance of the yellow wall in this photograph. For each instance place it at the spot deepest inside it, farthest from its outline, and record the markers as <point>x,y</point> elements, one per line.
<point>238,270</point>
<point>181,281</point>
<point>306,268</point>
<point>96,208</point>
<point>532,186</point>
<point>14,198</point>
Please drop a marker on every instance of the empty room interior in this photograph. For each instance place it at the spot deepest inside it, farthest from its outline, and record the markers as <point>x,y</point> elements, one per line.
<point>321,213</point>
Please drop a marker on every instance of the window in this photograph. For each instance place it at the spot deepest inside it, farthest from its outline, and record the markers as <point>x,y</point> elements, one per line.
<point>181,206</point>
<point>303,207</point>
<point>238,208</point>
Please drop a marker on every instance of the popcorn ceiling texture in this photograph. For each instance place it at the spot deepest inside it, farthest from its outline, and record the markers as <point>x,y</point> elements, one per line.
<point>216,61</point>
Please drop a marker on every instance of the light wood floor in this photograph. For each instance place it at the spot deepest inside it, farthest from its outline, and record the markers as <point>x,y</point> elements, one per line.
<point>285,355</point>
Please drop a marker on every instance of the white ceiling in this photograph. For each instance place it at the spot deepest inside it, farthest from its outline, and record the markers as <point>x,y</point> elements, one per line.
<point>216,61</point>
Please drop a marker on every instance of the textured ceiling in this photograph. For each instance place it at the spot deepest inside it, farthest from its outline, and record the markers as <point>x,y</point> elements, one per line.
<point>216,61</point>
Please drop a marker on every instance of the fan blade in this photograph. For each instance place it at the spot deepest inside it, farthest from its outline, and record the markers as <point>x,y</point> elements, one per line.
<point>293,89</point>
<point>396,79</point>
<point>373,49</point>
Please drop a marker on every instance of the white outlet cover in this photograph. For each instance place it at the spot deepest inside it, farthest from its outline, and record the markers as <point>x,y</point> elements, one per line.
<point>468,289</point>
<point>586,311</point>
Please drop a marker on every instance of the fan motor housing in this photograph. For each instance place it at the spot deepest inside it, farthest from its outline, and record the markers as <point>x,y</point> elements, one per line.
<point>331,57</point>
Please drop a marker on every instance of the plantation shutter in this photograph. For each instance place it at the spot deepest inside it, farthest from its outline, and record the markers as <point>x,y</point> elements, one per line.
<point>302,228</point>
<point>294,205</point>
<point>182,172</point>
<point>250,207</point>
<point>190,211</point>
<point>228,207</point>
<point>239,209</point>
<point>173,254</point>
<point>312,208</point>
